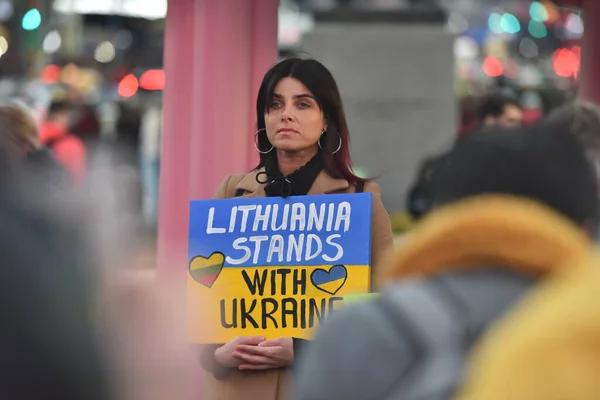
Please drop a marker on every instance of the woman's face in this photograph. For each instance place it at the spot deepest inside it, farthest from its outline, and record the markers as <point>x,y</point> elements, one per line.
<point>294,120</point>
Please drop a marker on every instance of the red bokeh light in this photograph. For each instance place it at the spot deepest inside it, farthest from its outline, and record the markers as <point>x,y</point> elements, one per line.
<point>128,86</point>
<point>493,67</point>
<point>153,79</point>
<point>50,74</point>
<point>566,62</point>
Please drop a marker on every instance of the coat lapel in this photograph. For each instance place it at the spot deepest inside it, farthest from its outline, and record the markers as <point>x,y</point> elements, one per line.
<point>325,183</point>
<point>251,186</point>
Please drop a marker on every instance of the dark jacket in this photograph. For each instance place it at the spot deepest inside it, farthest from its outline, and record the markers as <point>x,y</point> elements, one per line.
<point>420,196</point>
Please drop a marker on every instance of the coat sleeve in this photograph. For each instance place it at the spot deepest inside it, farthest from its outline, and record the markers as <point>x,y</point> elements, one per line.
<point>356,354</point>
<point>209,364</point>
<point>382,237</point>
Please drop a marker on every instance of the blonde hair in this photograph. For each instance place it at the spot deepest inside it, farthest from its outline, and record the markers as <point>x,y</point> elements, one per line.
<point>18,126</point>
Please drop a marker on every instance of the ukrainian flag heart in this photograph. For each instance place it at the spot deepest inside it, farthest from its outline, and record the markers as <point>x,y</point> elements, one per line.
<point>329,281</point>
<point>206,270</point>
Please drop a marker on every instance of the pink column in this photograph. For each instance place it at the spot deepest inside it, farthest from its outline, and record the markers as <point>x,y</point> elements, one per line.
<point>237,42</point>
<point>590,54</point>
<point>263,31</point>
<point>216,53</point>
<point>177,128</point>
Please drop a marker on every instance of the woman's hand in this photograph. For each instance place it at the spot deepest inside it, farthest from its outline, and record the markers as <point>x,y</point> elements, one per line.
<point>276,353</point>
<point>225,356</point>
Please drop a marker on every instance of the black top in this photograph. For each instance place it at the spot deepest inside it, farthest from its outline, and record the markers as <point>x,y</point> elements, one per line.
<point>298,183</point>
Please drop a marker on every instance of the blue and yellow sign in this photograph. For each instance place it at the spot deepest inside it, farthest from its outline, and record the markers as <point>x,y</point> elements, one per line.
<point>273,266</point>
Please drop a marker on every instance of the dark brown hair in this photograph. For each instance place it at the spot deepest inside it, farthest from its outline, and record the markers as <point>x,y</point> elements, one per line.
<point>322,85</point>
<point>579,118</point>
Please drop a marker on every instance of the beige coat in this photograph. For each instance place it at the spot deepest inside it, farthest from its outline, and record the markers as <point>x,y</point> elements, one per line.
<point>271,384</point>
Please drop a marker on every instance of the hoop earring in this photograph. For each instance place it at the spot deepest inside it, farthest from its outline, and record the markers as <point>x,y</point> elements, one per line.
<point>339,145</point>
<point>256,143</point>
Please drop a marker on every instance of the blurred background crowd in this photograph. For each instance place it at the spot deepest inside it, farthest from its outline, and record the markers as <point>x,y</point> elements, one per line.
<point>105,62</point>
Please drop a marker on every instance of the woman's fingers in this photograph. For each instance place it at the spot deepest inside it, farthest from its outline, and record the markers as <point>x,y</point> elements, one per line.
<point>251,358</point>
<point>256,350</point>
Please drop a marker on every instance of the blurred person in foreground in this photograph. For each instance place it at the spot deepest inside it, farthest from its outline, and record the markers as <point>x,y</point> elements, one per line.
<point>513,207</point>
<point>581,119</point>
<point>48,341</point>
<point>493,111</point>
<point>547,348</point>
<point>72,327</point>
<point>68,149</point>
<point>20,130</point>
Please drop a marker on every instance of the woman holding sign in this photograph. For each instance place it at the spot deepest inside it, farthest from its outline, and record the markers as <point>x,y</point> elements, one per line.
<point>303,141</point>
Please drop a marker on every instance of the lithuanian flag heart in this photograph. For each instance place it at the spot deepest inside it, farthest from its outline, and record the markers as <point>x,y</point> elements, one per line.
<point>206,270</point>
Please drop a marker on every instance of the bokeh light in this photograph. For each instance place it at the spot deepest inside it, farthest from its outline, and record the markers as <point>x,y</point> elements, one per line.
<point>537,29</point>
<point>50,74</point>
<point>105,52</point>
<point>493,67</point>
<point>153,79</point>
<point>538,12</point>
<point>128,86</point>
<point>3,45</point>
<point>494,23</point>
<point>52,42</point>
<point>510,24</point>
<point>32,19</point>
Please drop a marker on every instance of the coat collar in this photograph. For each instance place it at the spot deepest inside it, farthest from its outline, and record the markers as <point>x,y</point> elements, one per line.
<point>324,184</point>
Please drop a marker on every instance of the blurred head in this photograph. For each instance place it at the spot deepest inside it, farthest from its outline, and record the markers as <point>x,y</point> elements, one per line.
<point>19,128</point>
<point>543,165</point>
<point>500,110</point>
<point>581,119</point>
<point>59,111</point>
<point>299,110</point>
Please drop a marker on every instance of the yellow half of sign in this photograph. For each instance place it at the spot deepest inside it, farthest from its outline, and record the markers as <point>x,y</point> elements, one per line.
<point>273,302</point>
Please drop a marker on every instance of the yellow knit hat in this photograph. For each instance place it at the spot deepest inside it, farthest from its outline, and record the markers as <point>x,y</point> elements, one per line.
<point>548,348</point>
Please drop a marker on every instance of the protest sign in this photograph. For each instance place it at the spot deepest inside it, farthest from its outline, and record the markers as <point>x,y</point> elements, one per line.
<point>274,266</point>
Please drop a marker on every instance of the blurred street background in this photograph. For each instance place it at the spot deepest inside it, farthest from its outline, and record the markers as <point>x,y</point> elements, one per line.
<point>106,58</point>
<point>111,110</point>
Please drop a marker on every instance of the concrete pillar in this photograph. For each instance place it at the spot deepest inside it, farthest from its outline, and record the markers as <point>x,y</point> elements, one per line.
<point>216,53</point>
<point>590,54</point>
<point>395,70</point>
